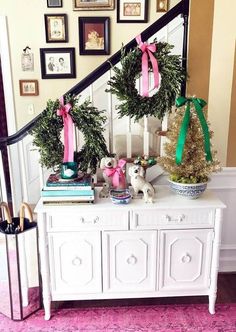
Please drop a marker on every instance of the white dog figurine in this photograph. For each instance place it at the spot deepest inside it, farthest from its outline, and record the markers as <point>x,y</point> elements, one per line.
<point>139,183</point>
<point>104,193</point>
<point>113,173</point>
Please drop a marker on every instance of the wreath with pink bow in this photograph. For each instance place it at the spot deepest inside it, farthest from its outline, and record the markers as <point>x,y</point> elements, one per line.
<point>168,74</point>
<point>66,113</point>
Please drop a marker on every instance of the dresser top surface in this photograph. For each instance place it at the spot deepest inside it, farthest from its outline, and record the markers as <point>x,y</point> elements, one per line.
<point>164,199</point>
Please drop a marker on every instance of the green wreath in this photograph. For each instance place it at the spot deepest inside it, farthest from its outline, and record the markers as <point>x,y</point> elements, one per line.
<point>122,84</point>
<point>47,135</point>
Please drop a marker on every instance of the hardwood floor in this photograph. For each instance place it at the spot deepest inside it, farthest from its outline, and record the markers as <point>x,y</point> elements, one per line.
<point>226,294</point>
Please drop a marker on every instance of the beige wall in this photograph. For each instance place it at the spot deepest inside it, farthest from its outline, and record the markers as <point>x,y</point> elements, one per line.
<point>221,73</point>
<point>199,56</point>
<point>210,67</point>
<point>231,151</point>
<point>26,27</point>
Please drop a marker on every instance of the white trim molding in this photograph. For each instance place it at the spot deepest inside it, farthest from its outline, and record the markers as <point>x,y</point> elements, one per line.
<point>13,153</point>
<point>228,258</point>
<point>7,76</point>
<point>224,185</point>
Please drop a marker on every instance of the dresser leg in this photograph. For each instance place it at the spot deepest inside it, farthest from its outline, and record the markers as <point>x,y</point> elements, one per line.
<point>47,309</point>
<point>212,301</point>
<point>43,250</point>
<point>215,261</point>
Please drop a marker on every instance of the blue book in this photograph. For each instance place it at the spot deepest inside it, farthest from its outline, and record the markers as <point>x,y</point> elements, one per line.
<point>55,180</point>
<point>61,193</point>
<point>65,187</point>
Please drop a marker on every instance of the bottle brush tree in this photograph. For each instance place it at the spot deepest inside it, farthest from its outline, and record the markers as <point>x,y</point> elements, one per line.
<point>194,166</point>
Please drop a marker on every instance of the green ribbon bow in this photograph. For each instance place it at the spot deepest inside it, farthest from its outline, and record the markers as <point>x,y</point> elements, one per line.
<point>198,104</point>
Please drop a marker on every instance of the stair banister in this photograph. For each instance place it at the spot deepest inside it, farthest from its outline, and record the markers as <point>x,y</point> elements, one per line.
<point>182,8</point>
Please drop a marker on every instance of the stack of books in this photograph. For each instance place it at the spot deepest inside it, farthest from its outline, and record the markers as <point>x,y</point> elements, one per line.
<point>58,190</point>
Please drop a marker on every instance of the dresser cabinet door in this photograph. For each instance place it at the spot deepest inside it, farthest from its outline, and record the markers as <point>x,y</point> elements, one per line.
<point>129,263</point>
<point>75,262</point>
<point>185,259</point>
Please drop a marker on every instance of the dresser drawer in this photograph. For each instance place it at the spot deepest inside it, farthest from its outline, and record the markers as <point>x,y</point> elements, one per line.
<point>95,220</point>
<point>151,219</point>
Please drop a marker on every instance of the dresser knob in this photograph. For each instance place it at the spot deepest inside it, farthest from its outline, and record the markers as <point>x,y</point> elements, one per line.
<point>186,258</point>
<point>132,260</point>
<point>178,219</point>
<point>93,221</point>
<point>168,218</point>
<point>181,218</point>
<point>77,261</point>
<point>96,220</point>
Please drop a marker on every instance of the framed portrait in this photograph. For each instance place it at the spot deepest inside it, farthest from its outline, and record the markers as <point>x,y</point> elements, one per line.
<point>58,62</point>
<point>29,88</point>
<point>56,28</point>
<point>54,3</point>
<point>93,4</point>
<point>132,11</point>
<point>94,35</point>
<point>162,5</point>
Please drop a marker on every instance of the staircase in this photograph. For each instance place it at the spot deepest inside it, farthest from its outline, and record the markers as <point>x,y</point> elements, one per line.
<point>123,136</point>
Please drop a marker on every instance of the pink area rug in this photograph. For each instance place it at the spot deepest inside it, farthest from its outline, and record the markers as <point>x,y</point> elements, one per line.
<point>151,318</point>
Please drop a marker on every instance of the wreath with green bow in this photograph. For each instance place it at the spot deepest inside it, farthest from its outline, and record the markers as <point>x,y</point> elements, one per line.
<point>86,118</point>
<point>123,83</point>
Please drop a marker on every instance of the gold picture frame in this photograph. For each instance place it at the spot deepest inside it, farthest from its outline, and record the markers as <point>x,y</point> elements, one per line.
<point>29,87</point>
<point>56,28</point>
<point>93,5</point>
<point>162,5</point>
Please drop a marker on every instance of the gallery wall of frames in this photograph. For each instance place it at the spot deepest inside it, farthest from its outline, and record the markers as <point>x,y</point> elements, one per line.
<point>94,36</point>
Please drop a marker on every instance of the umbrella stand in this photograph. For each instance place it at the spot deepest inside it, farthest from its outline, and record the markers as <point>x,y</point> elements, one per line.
<point>19,264</point>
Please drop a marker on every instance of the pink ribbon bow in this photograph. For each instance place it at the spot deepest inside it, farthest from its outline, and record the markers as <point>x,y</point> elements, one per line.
<point>68,130</point>
<point>147,50</point>
<point>118,177</point>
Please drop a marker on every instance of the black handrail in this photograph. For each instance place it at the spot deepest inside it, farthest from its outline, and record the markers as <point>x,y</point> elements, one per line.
<point>181,8</point>
<point>20,134</point>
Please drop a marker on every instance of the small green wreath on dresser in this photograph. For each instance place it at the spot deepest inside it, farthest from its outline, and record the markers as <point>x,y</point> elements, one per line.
<point>47,135</point>
<point>122,84</point>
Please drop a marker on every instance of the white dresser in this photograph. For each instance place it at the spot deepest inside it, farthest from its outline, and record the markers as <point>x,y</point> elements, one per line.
<point>107,251</point>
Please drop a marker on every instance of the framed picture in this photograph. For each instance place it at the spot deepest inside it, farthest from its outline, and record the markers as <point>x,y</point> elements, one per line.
<point>54,3</point>
<point>162,5</point>
<point>58,62</point>
<point>27,61</point>
<point>132,11</point>
<point>56,28</point>
<point>94,35</point>
<point>93,4</point>
<point>29,88</point>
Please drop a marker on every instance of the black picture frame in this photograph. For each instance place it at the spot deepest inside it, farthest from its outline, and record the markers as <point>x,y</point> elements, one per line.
<point>94,35</point>
<point>52,65</point>
<point>132,11</point>
<point>56,28</point>
<point>54,3</point>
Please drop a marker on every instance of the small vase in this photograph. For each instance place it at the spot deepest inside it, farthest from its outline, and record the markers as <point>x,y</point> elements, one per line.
<point>69,170</point>
<point>188,190</point>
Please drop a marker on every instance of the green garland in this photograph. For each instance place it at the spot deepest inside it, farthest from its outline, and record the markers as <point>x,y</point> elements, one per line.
<point>47,135</point>
<point>122,84</point>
